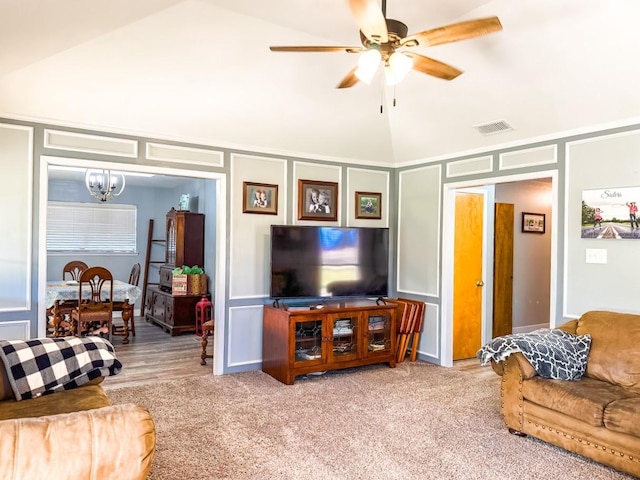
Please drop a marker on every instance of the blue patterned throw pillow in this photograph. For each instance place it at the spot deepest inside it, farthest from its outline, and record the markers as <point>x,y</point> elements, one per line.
<point>552,353</point>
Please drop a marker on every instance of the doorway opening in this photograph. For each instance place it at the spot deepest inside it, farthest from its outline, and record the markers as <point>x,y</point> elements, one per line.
<point>448,254</point>
<point>219,244</point>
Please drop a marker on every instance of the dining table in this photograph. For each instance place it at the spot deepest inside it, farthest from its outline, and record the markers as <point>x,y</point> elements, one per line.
<point>61,298</point>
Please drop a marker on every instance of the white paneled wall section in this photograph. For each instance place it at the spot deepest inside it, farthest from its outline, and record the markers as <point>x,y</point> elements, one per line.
<point>590,165</point>
<point>188,155</point>
<point>363,180</point>
<point>15,330</point>
<point>249,244</point>
<point>529,157</point>
<point>244,342</point>
<point>318,172</point>
<point>471,166</point>
<point>16,164</point>
<point>419,211</point>
<point>80,142</point>
<point>430,337</point>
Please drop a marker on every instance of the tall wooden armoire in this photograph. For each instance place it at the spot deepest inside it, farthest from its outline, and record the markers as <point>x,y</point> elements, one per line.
<point>185,246</point>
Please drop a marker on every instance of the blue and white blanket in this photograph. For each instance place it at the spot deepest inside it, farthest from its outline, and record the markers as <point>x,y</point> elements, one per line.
<point>47,365</point>
<point>552,353</point>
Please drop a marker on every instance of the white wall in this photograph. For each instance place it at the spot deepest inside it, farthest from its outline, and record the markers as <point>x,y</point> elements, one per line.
<point>598,163</point>
<point>415,215</point>
<point>15,242</point>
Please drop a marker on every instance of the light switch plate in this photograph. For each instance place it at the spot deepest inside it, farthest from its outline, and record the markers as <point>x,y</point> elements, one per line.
<point>596,255</point>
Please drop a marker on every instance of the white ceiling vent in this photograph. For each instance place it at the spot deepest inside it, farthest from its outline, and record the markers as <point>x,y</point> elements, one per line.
<point>491,128</point>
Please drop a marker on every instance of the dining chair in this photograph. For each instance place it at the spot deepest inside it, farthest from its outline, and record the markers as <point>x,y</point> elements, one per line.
<point>134,275</point>
<point>207,331</point>
<point>74,268</point>
<point>134,279</point>
<point>71,271</point>
<point>94,315</point>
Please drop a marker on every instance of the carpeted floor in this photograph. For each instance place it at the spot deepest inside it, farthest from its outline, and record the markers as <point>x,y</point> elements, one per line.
<point>417,421</point>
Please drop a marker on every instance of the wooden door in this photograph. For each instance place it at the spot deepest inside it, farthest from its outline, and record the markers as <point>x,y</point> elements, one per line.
<point>467,275</point>
<point>503,269</point>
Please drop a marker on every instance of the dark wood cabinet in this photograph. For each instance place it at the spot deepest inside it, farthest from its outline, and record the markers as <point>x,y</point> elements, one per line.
<point>174,313</point>
<point>185,238</point>
<point>185,243</point>
<point>298,342</point>
<point>184,246</point>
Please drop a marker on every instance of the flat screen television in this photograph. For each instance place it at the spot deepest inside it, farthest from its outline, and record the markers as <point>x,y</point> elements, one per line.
<point>315,261</point>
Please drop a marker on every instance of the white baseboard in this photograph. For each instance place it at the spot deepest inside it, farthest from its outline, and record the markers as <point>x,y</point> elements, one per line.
<point>529,328</point>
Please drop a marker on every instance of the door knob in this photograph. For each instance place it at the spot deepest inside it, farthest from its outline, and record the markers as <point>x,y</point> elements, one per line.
<point>479,283</point>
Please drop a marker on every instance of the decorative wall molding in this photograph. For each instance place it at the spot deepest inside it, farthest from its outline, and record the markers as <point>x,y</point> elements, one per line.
<point>15,330</point>
<point>16,161</point>
<point>471,166</point>
<point>529,157</point>
<point>364,180</point>
<point>249,233</point>
<point>419,210</point>
<point>319,172</point>
<point>189,155</point>
<point>245,334</point>
<point>81,142</point>
<point>430,336</point>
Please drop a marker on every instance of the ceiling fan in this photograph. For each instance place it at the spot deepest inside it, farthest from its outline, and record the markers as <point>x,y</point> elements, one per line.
<point>385,40</point>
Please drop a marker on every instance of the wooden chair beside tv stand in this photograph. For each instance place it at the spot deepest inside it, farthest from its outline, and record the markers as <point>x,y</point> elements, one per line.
<point>302,341</point>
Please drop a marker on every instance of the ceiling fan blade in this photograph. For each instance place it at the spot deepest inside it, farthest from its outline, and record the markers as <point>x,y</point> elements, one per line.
<point>350,80</point>
<point>316,49</point>
<point>433,67</point>
<point>454,32</point>
<point>370,20</point>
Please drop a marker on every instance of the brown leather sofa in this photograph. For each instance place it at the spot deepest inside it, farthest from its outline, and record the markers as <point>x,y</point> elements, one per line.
<point>597,416</point>
<point>73,434</point>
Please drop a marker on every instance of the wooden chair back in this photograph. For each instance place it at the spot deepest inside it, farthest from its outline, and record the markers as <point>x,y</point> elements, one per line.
<point>73,269</point>
<point>94,314</point>
<point>134,275</point>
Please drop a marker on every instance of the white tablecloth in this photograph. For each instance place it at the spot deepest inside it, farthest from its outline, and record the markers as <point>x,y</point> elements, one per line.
<point>69,291</point>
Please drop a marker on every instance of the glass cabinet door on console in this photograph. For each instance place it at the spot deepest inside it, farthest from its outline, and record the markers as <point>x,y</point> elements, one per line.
<point>378,337</point>
<point>343,336</point>
<point>308,340</point>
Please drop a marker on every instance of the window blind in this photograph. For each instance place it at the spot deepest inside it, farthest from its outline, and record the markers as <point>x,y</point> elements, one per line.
<point>91,228</point>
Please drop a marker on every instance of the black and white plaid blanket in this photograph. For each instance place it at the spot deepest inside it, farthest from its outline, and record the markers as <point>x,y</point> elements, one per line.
<point>552,353</point>
<point>47,365</point>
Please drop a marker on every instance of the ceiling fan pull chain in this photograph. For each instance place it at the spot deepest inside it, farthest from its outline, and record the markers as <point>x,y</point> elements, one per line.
<point>381,96</point>
<point>394,95</point>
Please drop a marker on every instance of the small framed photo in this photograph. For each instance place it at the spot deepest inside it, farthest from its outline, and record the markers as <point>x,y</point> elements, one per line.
<point>259,198</point>
<point>533,222</point>
<point>317,200</point>
<point>368,205</point>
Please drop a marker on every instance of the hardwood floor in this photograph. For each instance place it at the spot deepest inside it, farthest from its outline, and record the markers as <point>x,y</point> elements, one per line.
<point>154,355</point>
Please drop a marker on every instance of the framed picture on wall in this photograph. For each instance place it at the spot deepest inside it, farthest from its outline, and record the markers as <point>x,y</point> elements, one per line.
<point>533,222</point>
<point>610,213</point>
<point>259,198</point>
<point>317,200</point>
<point>368,205</point>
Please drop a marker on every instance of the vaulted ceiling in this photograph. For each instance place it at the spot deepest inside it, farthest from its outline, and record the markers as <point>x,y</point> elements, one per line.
<point>200,71</point>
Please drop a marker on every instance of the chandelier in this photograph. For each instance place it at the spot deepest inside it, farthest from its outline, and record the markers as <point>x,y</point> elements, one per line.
<point>104,184</point>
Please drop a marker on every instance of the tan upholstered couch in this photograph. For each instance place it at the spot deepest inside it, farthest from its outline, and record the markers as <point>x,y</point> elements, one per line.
<point>73,435</point>
<point>597,416</point>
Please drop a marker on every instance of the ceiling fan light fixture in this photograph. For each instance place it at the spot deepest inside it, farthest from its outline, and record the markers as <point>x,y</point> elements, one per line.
<point>397,68</point>
<point>368,65</point>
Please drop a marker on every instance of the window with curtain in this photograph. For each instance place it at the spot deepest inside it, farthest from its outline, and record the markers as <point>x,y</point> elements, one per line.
<point>91,228</point>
